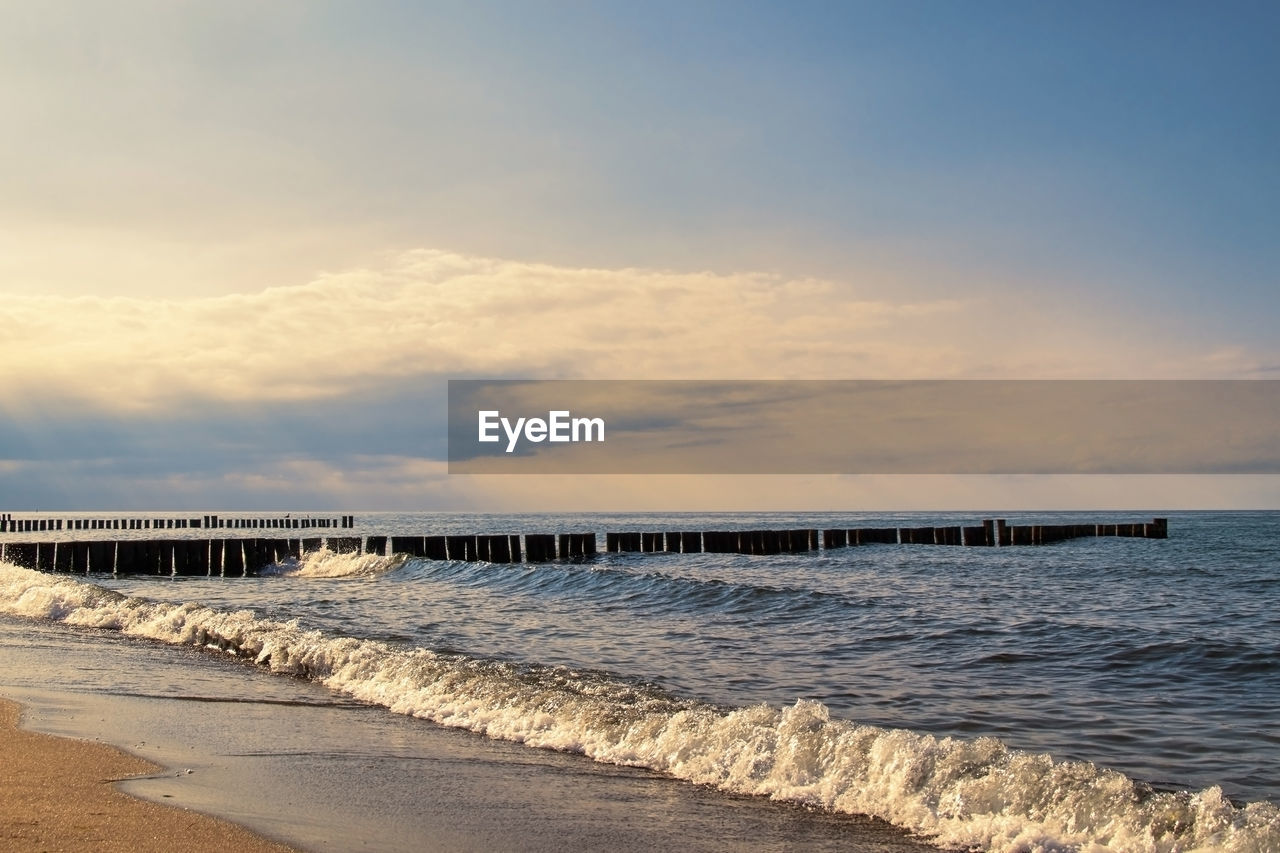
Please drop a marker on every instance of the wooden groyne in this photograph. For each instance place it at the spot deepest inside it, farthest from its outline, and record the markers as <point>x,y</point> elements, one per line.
<point>9,524</point>
<point>991,533</point>
<point>238,557</point>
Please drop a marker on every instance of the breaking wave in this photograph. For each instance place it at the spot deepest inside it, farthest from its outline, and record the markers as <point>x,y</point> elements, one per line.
<point>330,564</point>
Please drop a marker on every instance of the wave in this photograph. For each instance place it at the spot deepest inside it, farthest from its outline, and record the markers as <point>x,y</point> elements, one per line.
<point>963,793</point>
<point>329,564</point>
<point>655,590</point>
<point>1226,656</point>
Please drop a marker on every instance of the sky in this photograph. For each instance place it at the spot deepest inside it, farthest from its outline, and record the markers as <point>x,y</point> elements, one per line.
<point>243,246</point>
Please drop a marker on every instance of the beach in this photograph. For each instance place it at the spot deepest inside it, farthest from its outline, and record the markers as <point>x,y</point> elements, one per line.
<point>58,795</point>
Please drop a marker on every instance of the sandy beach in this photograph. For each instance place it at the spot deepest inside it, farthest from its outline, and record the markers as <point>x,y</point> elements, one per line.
<point>59,794</point>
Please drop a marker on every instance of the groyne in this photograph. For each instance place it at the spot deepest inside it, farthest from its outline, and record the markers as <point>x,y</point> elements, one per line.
<point>236,556</point>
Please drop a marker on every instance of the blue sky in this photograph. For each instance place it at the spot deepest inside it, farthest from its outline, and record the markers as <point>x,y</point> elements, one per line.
<point>203,202</point>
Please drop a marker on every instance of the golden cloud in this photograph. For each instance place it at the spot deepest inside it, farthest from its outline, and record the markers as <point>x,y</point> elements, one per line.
<point>437,313</point>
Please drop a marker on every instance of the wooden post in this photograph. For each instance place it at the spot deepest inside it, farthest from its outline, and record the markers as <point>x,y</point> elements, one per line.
<point>918,535</point>
<point>164,558</point>
<point>24,554</point>
<point>145,557</point>
<point>127,553</point>
<point>233,558</point>
<point>195,558</point>
<point>435,547</point>
<point>461,547</point>
<point>773,542</point>
<point>253,554</point>
<point>79,557</point>
<point>499,549</point>
<point>346,544</point>
<point>183,563</point>
<point>102,557</point>
<point>414,546</point>
<point>539,547</point>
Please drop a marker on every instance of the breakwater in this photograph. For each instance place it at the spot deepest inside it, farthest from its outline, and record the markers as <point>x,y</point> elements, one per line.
<point>241,556</point>
<point>10,524</point>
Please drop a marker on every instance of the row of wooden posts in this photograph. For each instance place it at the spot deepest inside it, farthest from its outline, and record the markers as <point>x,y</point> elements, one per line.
<point>239,557</point>
<point>9,524</point>
<point>992,532</point>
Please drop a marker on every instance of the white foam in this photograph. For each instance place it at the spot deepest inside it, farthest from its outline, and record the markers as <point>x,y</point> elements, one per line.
<point>329,564</point>
<point>965,793</point>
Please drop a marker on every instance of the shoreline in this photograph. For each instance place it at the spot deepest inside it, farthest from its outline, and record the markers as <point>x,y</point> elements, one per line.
<point>62,794</point>
<point>291,760</point>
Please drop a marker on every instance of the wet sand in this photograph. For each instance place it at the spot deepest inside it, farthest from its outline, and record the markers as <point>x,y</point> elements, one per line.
<point>59,794</point>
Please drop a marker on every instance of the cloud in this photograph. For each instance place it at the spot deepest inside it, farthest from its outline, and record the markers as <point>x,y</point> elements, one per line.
<point>436,313</point>
<point>430,313</point>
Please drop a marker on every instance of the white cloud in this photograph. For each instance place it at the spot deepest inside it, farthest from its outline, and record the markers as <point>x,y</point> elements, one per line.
<point>437,313</point>
<point>442,314</point>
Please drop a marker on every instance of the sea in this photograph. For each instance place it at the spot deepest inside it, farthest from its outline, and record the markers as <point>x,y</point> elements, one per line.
<point>1094,694</point>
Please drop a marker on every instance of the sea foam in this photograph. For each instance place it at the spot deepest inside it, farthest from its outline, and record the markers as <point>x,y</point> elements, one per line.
<point>958,793</point>
<point>330,564</point>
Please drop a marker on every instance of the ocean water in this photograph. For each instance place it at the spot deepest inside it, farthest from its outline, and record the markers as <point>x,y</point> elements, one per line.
<point>1096,694</point>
